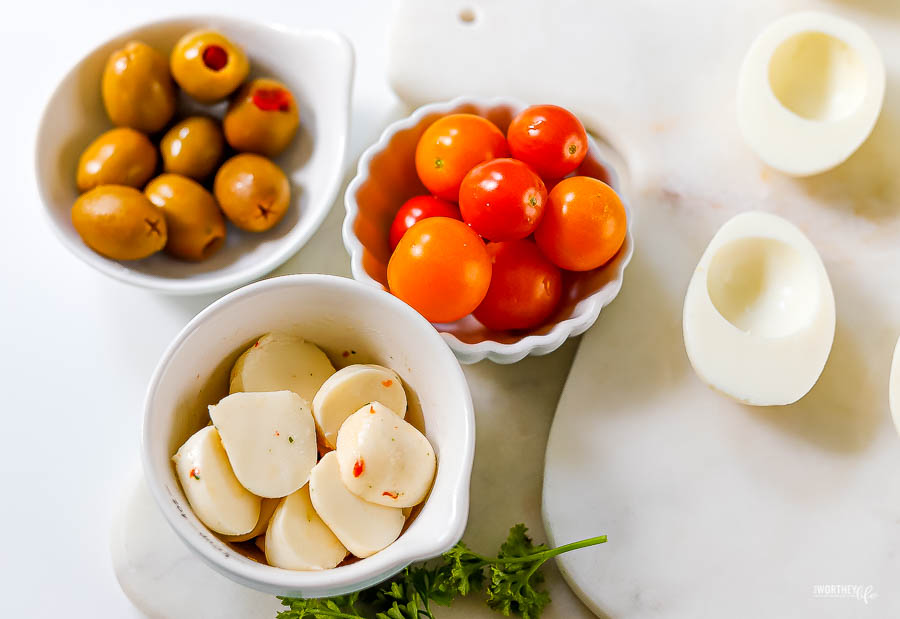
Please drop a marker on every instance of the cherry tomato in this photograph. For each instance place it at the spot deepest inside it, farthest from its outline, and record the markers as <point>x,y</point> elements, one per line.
<point>452,146</point>
<point>415,210</point>
<point>548,138</point>
<point>502,199</point>
<point>525,287</point>
<point>441,268</point>
<point>584,224</point>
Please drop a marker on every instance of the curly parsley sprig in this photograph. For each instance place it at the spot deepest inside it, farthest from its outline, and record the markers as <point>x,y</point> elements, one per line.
<point>512,586</point>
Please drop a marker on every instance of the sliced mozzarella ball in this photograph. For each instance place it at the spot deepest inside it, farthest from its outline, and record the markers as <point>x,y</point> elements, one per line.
<point>895,387</point>
<point>363,527</point>
<point>347,390</point>
<point>214,493</point>
<point>266,509</point>
<point>383,459</point>
<point>297,539</point>
<point>279,361</point>
<point>270,438</point>
<point>809,92</point>
<point>759,312</point>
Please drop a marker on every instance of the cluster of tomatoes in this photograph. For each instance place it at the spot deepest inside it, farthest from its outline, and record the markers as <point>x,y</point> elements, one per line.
<point>491,240</point>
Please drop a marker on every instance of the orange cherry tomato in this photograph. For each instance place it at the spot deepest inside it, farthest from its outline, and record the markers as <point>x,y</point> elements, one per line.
<point>453,145</point>
<point>525,287</point>
<point>441,268</point>
<point>415,210</point>
<point>548,138</point>
<point>583,226</point>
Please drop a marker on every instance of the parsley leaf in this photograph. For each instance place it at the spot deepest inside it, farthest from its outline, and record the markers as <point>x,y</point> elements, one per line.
<point>513,586</point>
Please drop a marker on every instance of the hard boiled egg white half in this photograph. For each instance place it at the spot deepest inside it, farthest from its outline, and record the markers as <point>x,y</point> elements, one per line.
<point>759,314</point>
<point>809,92</point>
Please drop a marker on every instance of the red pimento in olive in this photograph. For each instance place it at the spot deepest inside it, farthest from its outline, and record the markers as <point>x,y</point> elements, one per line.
<point>272,99</point>
<point>215,57</point>
<point>262,118</point>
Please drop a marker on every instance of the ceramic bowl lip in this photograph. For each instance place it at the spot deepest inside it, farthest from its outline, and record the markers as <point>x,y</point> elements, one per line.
<point>121,272</point>
<point>586,311</point>
<point>427,544</point>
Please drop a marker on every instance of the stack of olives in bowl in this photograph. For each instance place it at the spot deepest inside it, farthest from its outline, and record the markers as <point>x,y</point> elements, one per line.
<point>157,182</point>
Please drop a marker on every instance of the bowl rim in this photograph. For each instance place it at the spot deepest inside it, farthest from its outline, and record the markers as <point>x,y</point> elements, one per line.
<point>324,582</point>
<point>531,344</point>
<point>119,270</point>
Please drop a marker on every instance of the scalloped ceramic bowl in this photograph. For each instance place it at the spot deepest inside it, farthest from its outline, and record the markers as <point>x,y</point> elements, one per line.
<point>318,68</point>
<point>387,177</point>
<point>339,315</point>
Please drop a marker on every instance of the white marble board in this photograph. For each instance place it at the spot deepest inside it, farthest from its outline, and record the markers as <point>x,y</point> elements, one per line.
<point>713,508</point>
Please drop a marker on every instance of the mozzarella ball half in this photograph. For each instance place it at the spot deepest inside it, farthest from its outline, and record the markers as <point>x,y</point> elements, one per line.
<point>351,388</point>
<point>363,527</point>
<point>383,459</point>
<point>297,539</point>
<point>212,489</point>
<point>270,439</point>
<point>280,361</point>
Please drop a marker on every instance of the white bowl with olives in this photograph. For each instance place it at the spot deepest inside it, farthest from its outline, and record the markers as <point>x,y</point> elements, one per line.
<point>185,74</point>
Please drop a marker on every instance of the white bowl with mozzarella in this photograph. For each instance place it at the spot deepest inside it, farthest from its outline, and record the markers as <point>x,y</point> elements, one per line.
<point>353,324</point>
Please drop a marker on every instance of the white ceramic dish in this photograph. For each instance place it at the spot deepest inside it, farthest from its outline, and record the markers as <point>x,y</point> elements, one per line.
<point>318,68</point>
<point>340,315</point>
<point>386,177</point>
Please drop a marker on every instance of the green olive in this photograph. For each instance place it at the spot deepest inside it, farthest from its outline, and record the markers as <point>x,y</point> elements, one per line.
<point>253,192</point>
<point>195,223</point>
<point>208,66</point>
<point>137,88</point>
<point>119,222</point>
<point>193,147</point>
<point>121,156</point>
<point>262,118</point>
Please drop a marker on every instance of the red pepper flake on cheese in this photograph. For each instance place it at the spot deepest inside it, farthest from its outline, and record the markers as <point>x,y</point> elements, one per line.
<point>393,495</point>
<point>195,473</point>
<point>387,383</point>
<point>358,467</point>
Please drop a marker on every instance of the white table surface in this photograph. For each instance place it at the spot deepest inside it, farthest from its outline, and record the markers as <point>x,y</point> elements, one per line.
<point>80,347</point>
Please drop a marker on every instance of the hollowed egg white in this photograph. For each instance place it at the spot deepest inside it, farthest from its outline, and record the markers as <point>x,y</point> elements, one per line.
<point>809,92</point>
<point>759,313</point>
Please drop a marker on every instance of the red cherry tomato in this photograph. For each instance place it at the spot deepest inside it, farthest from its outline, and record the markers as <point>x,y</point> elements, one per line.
<point>441,268</point>
<point>525,287</point>
<point>584,224</point>
<point>453,145</point>
<point>502,199</point>
<point>415,210</point>
<point>548,138</point>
